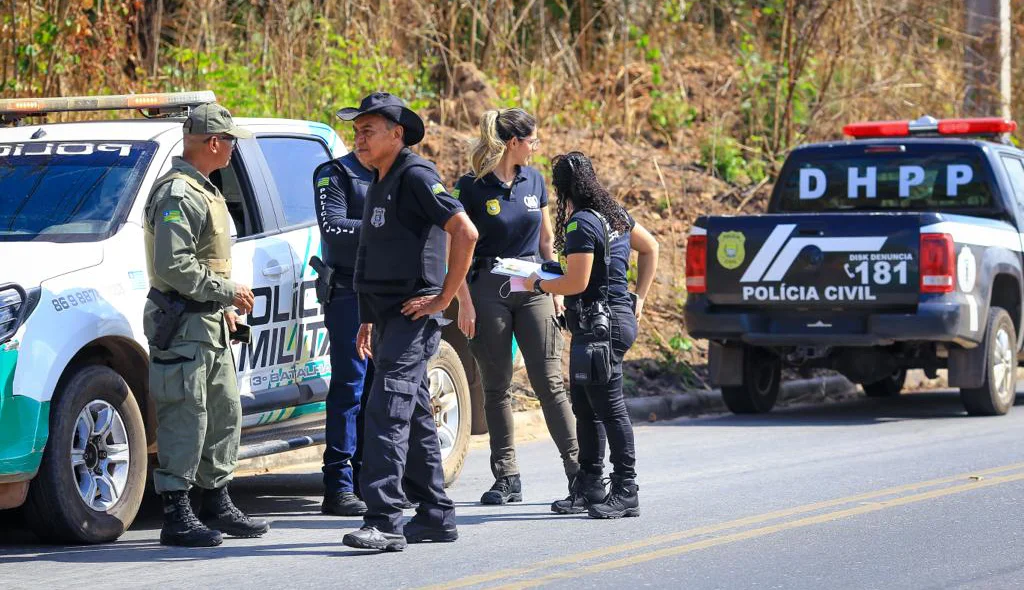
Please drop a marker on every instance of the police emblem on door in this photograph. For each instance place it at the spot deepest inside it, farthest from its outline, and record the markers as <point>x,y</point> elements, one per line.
<point>377,219</point>
<point>730,249</point>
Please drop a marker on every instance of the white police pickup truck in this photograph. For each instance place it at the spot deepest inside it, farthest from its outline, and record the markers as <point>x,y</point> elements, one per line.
<point>900,249</point>
<point>76,420</point>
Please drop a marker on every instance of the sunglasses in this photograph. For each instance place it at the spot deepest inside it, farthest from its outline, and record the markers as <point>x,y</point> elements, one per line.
<point>230,139</point>
<point>574,159</point>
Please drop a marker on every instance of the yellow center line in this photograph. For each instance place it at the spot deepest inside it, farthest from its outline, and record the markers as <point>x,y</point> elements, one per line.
<point>763,531</point>
<point>709,529</point>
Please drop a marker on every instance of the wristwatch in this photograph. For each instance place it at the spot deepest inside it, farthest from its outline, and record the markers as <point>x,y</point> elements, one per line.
<point>537,288</point>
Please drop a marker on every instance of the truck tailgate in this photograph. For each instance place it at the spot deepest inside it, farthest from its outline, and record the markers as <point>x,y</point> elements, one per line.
<point>818,261</point>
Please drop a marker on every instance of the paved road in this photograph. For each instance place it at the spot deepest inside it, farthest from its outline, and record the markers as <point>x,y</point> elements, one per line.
<point>904,493</point>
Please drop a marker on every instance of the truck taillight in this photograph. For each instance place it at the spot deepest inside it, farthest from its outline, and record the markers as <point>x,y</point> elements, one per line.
<point>938,265</point>
<point>697,264</point>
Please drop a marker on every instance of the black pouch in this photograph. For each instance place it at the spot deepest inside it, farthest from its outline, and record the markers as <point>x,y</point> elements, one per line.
<point>324,284</point>
<point>590,363</point>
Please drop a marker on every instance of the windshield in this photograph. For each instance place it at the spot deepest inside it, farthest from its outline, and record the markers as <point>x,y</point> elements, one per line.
<point>68,191</point>
<point>920,178</point>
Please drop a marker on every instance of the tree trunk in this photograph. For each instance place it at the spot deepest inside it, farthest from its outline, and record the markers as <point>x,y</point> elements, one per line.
<point>987,58</point>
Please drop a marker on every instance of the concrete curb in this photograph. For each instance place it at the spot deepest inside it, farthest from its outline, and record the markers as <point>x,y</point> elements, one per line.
<point>695,403</point>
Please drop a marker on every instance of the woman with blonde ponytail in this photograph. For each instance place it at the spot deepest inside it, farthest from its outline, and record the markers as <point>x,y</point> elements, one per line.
<point>507,200</point>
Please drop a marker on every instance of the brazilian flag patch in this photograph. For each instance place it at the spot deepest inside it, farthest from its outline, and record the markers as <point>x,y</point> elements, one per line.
<point>437,189</point>
<point>571,227</point>
<point>456,192</point>
<point>172,216</point>
<point>323,182</point>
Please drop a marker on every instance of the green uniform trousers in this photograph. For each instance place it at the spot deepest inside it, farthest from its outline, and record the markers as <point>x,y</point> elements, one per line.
<point>531,318</point>
<point>199,416</point>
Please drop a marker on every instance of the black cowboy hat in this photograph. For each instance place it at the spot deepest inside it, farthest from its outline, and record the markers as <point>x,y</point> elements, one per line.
<point>392,108</point>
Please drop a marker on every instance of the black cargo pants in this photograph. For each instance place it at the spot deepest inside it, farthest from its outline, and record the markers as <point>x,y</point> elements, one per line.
<point>401,435</point>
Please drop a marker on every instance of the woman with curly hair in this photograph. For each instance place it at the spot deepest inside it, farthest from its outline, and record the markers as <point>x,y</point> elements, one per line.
<point>596,235</point>
<point>507,200</point>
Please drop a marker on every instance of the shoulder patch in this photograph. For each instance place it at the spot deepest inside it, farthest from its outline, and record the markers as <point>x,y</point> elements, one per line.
<point>437,188</point>
<point>326,180</point>
<point>178,188</point>
<point>571,227</point>
<point>172,216</point>
<point>456,192</point>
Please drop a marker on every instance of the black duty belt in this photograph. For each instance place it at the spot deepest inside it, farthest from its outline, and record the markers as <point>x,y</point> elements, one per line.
<point>191,305</point>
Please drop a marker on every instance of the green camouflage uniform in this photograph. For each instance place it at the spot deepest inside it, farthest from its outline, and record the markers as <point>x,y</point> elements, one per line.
<point>188,251</point>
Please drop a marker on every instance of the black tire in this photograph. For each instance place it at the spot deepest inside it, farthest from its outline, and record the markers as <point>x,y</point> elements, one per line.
<point>457,339</point>
<point>762,375</point>
<point>891,386</point>
<point>447,361</point>
<point>997,393</point>
<point>55,509</point>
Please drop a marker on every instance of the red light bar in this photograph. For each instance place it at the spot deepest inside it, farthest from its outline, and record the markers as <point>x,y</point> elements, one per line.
<point>929,126</point>
<point>991,125</point>
<point>878,129</point>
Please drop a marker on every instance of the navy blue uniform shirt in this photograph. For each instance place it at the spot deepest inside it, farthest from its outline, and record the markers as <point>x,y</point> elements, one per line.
<point>585,233</point>
<point>508,216</point>
<point>422,201</point>
<point>339,212</point>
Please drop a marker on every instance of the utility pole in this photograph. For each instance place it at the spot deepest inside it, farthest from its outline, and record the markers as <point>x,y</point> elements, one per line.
<point>987,58</point>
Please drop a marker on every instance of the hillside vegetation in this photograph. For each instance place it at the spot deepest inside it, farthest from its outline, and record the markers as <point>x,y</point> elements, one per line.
<point>687,107</point>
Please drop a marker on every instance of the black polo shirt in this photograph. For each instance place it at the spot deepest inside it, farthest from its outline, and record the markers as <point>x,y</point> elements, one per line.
<point>584,233</point>
<point>508,216</point>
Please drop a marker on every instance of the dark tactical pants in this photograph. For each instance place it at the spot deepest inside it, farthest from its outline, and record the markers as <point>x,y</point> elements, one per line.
<point>598,406</point>
<point>349,378</point>
<point>199,416</point>
<point>531,318</point>
<point>401,436</point>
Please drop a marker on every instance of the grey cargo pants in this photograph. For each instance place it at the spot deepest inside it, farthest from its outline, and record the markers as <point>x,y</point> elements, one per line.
<point>531,318</point>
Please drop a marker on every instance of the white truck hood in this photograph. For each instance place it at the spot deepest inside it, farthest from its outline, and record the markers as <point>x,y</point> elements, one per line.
<point>30,263</point>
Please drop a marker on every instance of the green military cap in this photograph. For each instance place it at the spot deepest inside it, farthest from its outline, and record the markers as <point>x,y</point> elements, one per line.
<point>210,119</point>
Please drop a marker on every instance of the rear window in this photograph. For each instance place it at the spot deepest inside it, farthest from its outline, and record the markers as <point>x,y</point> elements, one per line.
<point>824,181</point>
<point>68,191</point>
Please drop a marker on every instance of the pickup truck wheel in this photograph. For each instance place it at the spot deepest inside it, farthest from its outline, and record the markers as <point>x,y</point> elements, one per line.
<point>762,373</point>
<point>93,474</point>
<point>891,386</point>
<point>449,396</point>
<point>996,395</point>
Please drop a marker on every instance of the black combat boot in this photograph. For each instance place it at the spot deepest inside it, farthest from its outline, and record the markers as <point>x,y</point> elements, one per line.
<point>623,501</point>
<point>181,527</point>
<point>584,489</point>
<point>505,489</point>
<point>343,504</point>
<point>218,512</point>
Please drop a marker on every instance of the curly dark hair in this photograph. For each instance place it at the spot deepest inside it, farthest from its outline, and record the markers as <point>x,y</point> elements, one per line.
<point>575,181</point>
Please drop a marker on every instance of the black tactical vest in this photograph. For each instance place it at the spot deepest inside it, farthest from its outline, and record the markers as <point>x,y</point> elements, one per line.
<point>356,181</point>
<point>392,258</point>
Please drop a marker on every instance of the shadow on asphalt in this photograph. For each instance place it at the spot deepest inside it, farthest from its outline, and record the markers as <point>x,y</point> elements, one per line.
<point>284,498</point>
<point>933,405</point>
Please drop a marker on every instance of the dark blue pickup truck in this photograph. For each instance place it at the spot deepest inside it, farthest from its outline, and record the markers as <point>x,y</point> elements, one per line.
<point>899,249</point>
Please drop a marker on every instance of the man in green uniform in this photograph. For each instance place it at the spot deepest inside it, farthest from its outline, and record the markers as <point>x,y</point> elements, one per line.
<point>189,327</point>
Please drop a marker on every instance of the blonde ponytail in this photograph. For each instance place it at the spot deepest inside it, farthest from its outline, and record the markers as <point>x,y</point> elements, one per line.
<point>488,149</point>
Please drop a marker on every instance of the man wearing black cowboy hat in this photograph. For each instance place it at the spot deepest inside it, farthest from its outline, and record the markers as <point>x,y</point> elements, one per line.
<point>403,290</point>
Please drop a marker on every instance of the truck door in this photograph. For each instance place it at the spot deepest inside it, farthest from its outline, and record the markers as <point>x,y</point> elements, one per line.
<point>290,158</point>
<point>263,261</point>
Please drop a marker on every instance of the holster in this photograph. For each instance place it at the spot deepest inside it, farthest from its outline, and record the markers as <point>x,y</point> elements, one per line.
<point>324,285</point>
<point>170,308</point>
